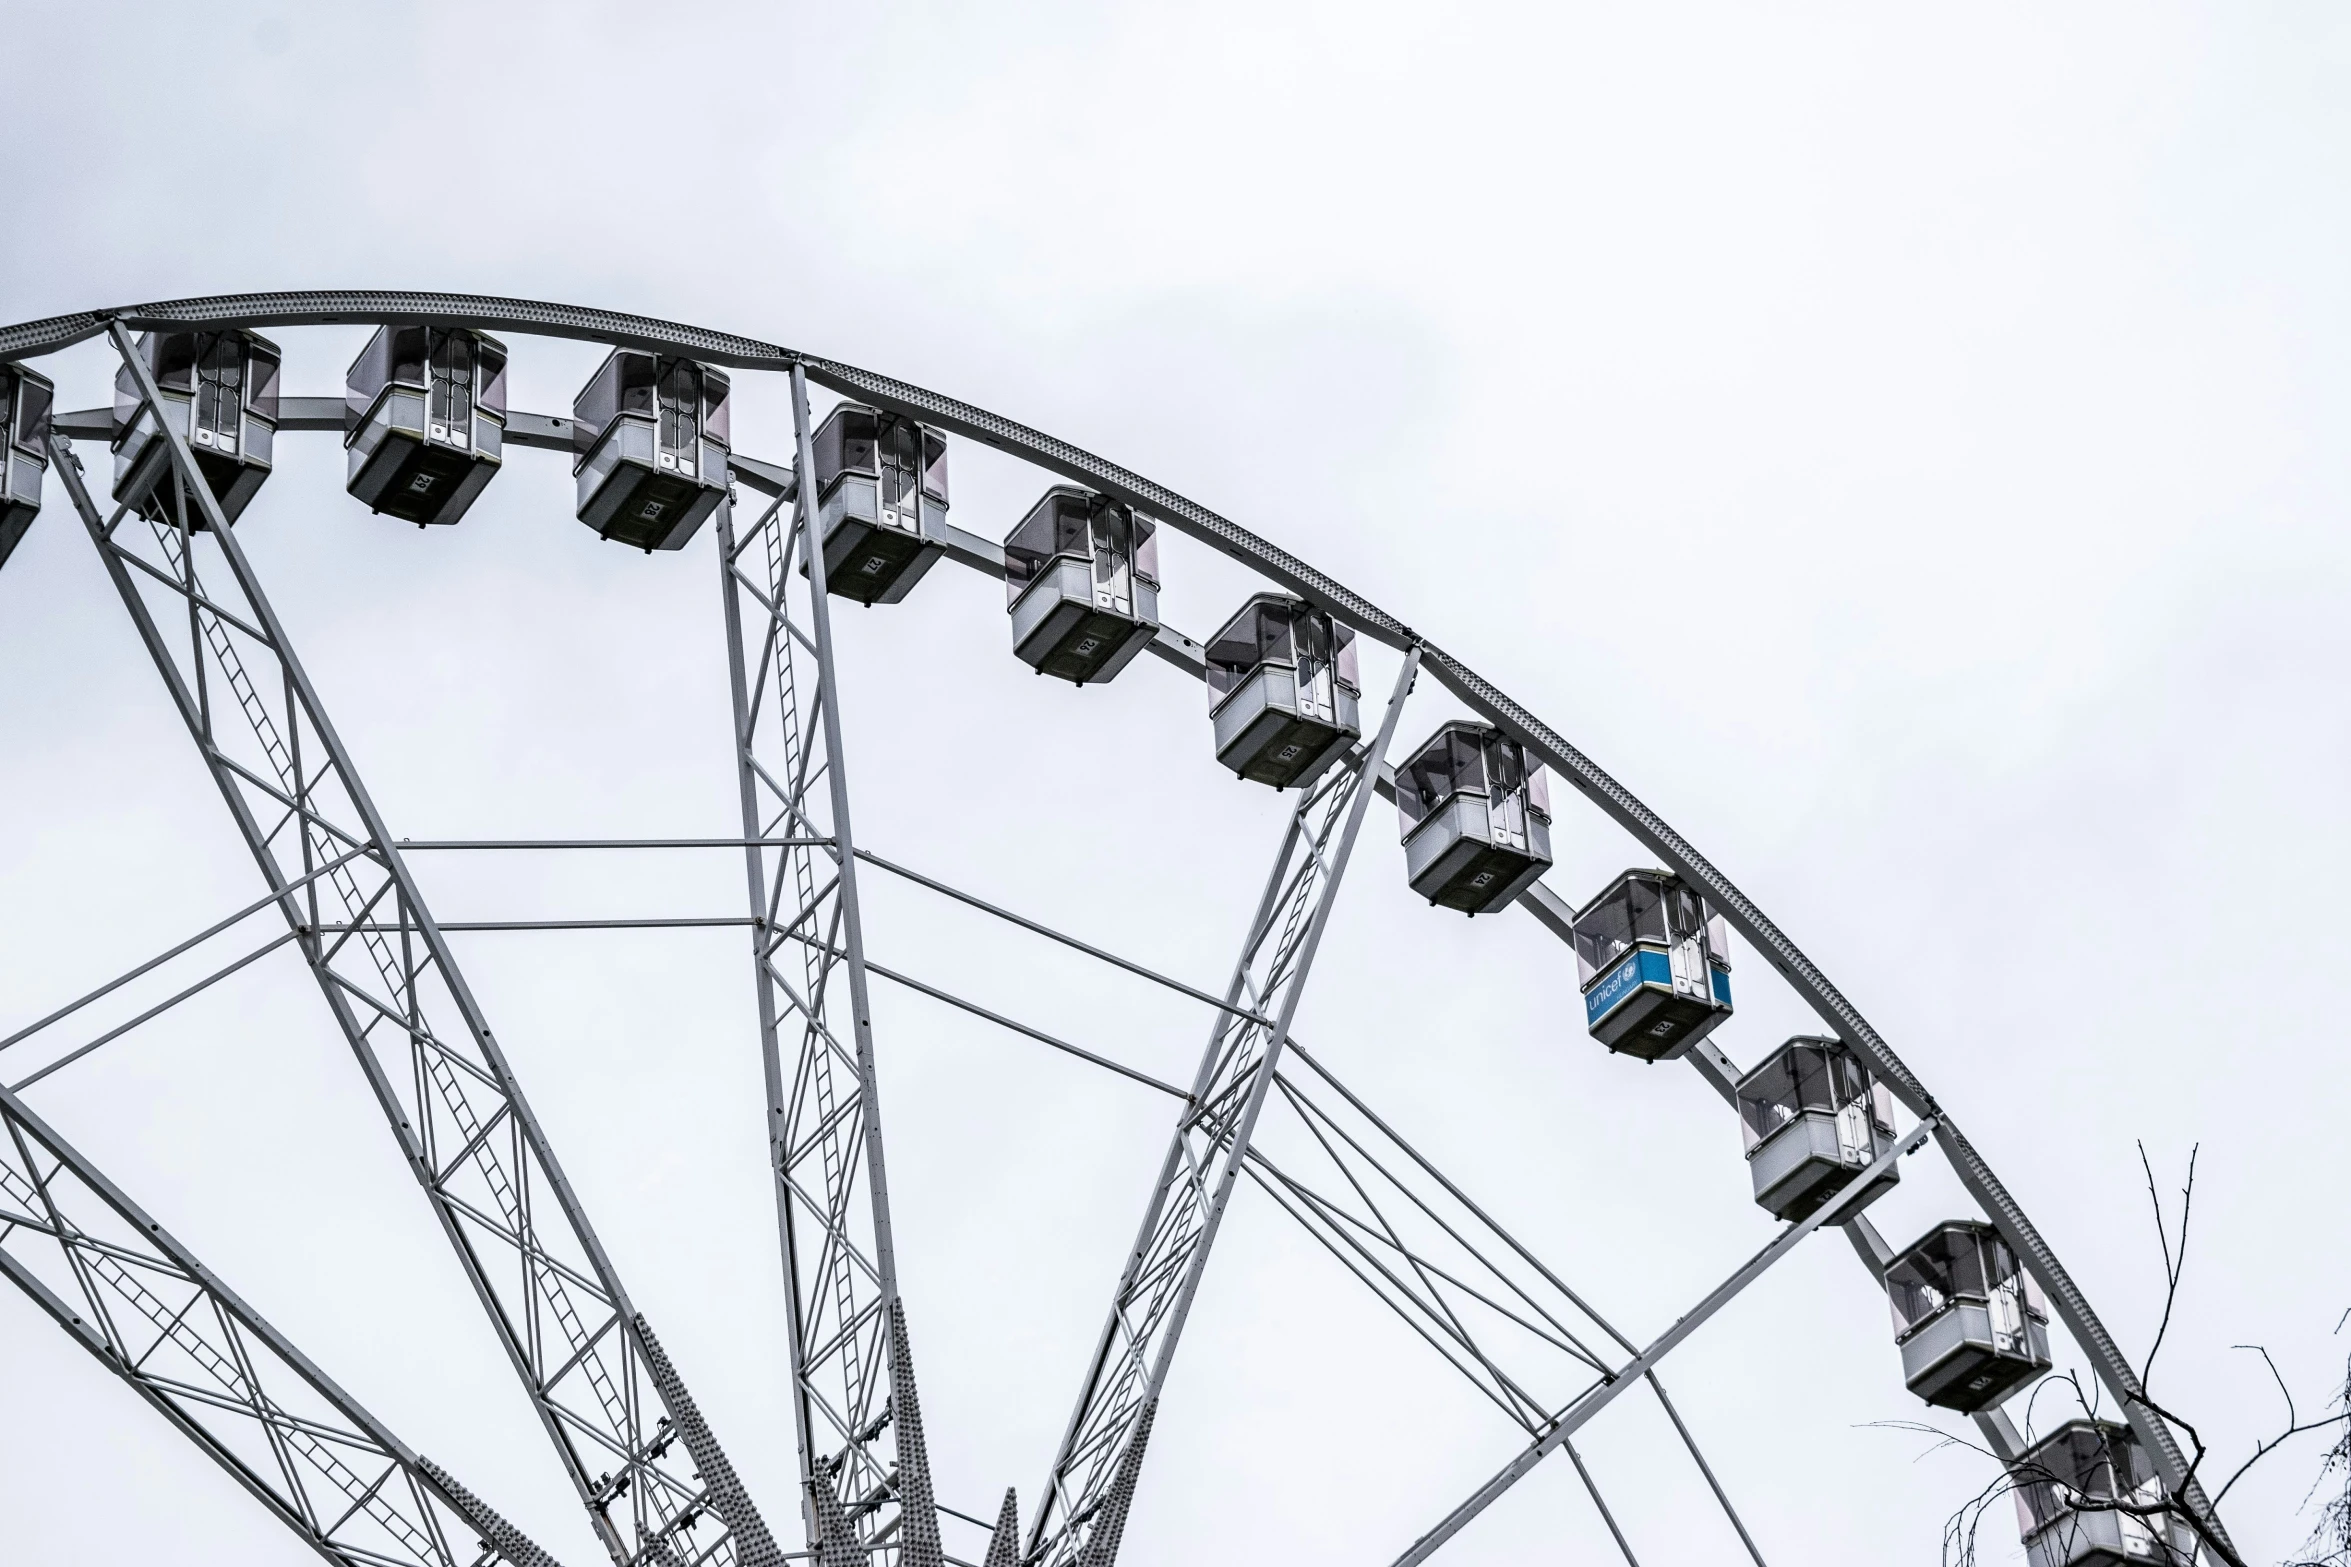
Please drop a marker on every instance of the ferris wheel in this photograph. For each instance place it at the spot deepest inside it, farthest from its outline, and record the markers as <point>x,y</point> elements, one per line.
<point>859,510</point>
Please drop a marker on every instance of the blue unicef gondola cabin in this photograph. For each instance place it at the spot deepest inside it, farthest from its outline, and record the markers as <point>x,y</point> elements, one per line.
<point>1475,810</point>
<point>24,451</point>
<point>1970,1324</point>
<point>881,495</point>
<point>219,391</point>
<point>424,421</point>
<point>2072,1489</point>
<point>1081,583</point>
<point>1656,966</point>
<point>650,437</point>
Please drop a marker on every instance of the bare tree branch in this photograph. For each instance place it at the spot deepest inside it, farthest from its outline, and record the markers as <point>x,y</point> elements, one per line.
<point>2331,1540</point>
<point>2264,1449</point>
<point>2173,1264</point>
<point>2263,1352</point>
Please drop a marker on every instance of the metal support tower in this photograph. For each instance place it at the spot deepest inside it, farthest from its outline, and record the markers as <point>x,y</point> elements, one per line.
<point>134,1297</point>
<point>1093,1481</point>
<point>864,1472</point>
<point>605,1393</point>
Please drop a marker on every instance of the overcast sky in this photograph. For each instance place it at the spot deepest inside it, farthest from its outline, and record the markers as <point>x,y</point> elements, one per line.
<point>1906,449</point>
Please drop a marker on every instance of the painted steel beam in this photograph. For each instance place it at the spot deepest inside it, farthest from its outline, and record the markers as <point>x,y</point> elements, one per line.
<point>865,1481</point>
<point>126,1290</point>
<point>604,1392</point>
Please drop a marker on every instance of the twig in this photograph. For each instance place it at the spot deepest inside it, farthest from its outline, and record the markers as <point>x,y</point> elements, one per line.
<point>2294,1426</point>
<point>2332,1536</point>
<point>1942,1437</point>
<point>2173,1265</point>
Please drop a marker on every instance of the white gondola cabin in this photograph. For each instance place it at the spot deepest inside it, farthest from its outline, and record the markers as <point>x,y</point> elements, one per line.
<point>1814,1119</point>
<point>1970,1323</point>
<point>424,421</point>
<point>1282,691</point>
<point>1081,583</point>
<point>650,436</point>
<point>25,398</point>
<point>1656,966</point>
<point>881,493</point>
<point>220,393</point>
<point>1474,808</point>
<point>2072,1489</point>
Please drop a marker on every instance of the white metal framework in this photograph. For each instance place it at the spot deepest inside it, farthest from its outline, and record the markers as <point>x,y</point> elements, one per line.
<point>652,1477</point>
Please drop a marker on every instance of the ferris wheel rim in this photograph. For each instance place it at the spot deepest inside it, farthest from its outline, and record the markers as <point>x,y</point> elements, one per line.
<point>304,308</point>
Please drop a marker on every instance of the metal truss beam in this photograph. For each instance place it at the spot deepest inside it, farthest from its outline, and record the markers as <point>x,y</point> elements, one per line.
<point>865,1479</point>
<point>605,1394</point>
<point>128,1292</point>
<point>1084,1510</point>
